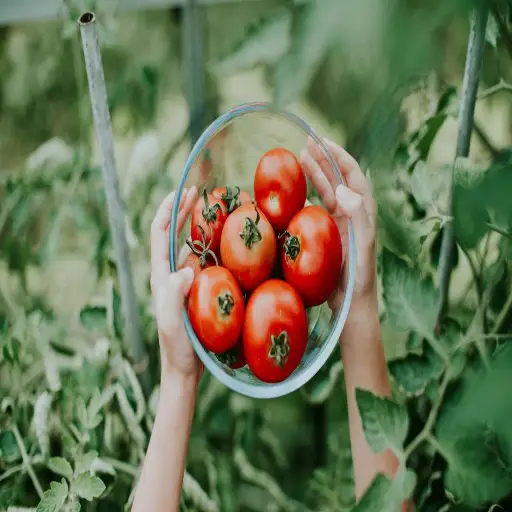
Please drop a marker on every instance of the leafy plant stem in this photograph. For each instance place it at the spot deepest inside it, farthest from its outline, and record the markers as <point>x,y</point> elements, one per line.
<point>440,351</point>
<point>502,314</point>
<point>502,85</point>
<point>26,461</point>
<point>124,467</point>
<point>437,447</point>
<point>499,230</point>
<point>475,272</point>
<point>11,471</point>
<point>474,55</point>
<point>432,417</point>
<point>505,34</point>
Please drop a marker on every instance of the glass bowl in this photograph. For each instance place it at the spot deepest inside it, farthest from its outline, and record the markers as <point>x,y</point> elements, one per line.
<point>227,153</point>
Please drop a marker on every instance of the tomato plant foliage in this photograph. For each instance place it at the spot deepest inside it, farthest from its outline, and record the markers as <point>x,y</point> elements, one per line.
<point>74,419</point>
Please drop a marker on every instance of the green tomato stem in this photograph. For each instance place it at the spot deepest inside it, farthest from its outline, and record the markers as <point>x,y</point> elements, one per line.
<point>226,303</point>
<point>291,246</point>
<point>280,349</point>
<point>251,234</point>
<point>231,198</point>
<point>209,211</point>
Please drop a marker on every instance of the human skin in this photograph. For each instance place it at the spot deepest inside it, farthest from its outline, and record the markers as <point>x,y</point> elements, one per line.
<point>161,479</point>
<point>362,351</point>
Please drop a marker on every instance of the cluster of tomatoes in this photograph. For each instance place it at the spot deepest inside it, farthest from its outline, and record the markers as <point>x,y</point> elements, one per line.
<point>258,265</point>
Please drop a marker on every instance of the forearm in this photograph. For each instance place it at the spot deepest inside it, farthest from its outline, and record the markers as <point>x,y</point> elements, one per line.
<point>161,480</point>
<point>365,367</point>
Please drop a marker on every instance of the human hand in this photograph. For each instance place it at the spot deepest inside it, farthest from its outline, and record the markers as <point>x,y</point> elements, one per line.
<point>169,290</point>
<point>355,202</point>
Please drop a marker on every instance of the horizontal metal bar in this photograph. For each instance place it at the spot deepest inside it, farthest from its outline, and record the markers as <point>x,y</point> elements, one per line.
<point>18,11</point>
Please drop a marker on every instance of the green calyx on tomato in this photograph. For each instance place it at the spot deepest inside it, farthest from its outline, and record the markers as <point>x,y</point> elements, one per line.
<point>201,248</point>
<point>229,357</point>
<point>291,246</point>
<point>231,198</point>
<point>209,211</point>
<point>280,348</point>
<point>251,234</point>
<point>226,303</point>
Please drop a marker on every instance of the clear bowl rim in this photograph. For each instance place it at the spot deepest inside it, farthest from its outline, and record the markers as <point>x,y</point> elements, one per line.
<point>295,380</point>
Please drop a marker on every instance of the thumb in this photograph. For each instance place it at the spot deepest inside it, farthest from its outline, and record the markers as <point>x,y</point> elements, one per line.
<point>179,285</point>
<point>351,205</point>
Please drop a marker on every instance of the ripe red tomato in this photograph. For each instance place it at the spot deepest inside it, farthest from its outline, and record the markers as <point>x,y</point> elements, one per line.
<point>216,309</point>
<point>312,254</point>
<point>275,331</point>
<point>280,187</point>
<point>198,262</point>
<point>234,358</point>
<point>232,197</point>
<point>248,246</point>
<point>208,218</point>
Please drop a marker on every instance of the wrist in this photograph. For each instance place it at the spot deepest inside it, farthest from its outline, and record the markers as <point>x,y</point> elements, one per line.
<point>364,308</point>
<point>178,384</point>
<point>362,325</point>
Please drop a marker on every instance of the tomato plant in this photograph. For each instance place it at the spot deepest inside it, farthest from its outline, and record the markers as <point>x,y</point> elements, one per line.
<point>312,254</point>
<point>208,218</point>
<point>275,331</point>
<point>234,357</point>
<point>198,262</point>
<point>280,187</point>
<point>232,197</point>
<point>248,246</point>
<point>216,309</point>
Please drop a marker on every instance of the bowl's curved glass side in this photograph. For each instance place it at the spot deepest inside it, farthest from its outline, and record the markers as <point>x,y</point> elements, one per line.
<point>324,326</point>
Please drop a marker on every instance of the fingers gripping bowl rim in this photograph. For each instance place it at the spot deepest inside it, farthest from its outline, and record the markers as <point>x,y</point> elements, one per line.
<point>317,356</point>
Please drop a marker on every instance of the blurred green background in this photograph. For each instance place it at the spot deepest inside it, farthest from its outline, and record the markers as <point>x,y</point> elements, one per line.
<point>381,78</point>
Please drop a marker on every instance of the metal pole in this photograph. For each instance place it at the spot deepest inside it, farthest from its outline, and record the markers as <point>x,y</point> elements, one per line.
<point>192,36</point>
<point>471,79</point>
<point>100,110</point>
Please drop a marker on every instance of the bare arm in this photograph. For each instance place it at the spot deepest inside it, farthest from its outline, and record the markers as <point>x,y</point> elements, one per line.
<point>161,479</point>
<point>365,367</point>
<point>362,352</point>
<point>159,487</point>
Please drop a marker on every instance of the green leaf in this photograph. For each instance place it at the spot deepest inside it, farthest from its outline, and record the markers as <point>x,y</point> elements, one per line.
<point>117,315</point>
<point>265,43</point>
<point>469,203</point>
<point>84,462</point>
<point>320,389</point>
<point>414,343</point>
<point>94,317</point>
<point>385,423</point>
<point>385,495</point>
<point>411,302</point>
<point>88,486</point>
<point>422,140</point>
<point>414,372</point>
<point>9,451</point>
<point>11,351</point>
<point>52,239</point>
<point>317,27</point>
<point>375,496</point>
<point>430,185</point>
<point>492,32</point>
<point>54,498</point>
<point>60,466</point>
<point>478,415</point>
<point>81,412</point>
<point>396,234</point>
